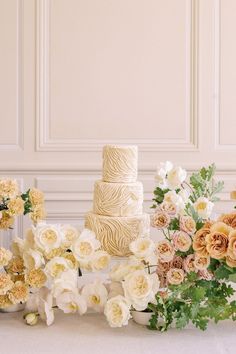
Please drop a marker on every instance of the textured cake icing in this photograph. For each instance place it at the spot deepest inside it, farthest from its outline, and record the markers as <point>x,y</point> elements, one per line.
<point>118,199</point>
<point>117,217</point>
<point>120,163</point>
<point>116,233</point>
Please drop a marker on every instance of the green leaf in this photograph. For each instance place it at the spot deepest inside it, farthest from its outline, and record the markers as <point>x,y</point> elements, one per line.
<point>222,273</point>
<point>232,277</point>
<point>174,224</point>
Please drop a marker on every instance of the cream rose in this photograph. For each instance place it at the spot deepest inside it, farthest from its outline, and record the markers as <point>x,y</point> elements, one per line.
<point>230,261</point>
<point>199,242</point>
<point>165,251</point>
<point>160,220</point>
<point>117,311</point>
<point>181,241</point>
<point>140,288</point>
<point>142,247</point>
<point>47,237</point>
<point>232,245</point>
<point>70,234</point>
<point>175,276</point>
<point>56,266</point>
<point>99,260</point>
<point>187,224</point>
<point>201,263</point>
<point>217,240</point>
<point>85,245</point>
<point>169,208</point>
<point>229,219</point>
<point>188,264</point>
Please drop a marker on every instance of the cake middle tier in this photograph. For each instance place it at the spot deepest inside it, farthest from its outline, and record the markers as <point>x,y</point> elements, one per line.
<point>118,199</point>
<point>116,233</point>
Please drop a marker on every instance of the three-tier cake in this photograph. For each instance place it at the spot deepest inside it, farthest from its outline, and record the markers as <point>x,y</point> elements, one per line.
<point>117,217</point>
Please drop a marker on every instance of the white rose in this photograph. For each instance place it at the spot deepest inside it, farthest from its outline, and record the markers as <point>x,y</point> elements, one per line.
<point>33,259</point>
<point>117,311</point>
<point>47,237</point>
<point>67,281</point>
<point>176,177</point>
<point>120,270</point>
<point>71,302</point>
<point>140,288</point>
<point>69,234</point>
<point>95,295</point>
<point>56,266</point>
<point>203,207</point>
<point>85,245</point>
<point>142,247</point>
<point>99,260</point>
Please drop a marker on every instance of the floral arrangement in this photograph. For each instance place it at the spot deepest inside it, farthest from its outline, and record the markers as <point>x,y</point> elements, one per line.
<point>46,266</point>
<point>181,277</point>
<point>14,203</point>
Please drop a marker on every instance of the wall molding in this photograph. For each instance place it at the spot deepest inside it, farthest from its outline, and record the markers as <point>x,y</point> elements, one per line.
<point>43,140</point>
<point>18,145</point>
<point>217,79</point>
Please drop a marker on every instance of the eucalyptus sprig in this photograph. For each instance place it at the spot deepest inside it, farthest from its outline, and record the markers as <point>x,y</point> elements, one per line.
<point>203,184</point>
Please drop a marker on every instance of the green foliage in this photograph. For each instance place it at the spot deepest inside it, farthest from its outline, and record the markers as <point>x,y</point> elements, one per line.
<point>28,204</point>
<point>159,196</point>
<point>197,301</point>
<point>174,224</point>
<point>203,184</point>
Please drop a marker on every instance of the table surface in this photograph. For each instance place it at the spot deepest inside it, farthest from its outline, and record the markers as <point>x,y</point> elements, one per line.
<point>91,334</point>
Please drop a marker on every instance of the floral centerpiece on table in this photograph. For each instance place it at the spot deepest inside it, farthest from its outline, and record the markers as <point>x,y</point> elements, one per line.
<point>51,259</point>
<point>14,203</point>
<point>179,277</point>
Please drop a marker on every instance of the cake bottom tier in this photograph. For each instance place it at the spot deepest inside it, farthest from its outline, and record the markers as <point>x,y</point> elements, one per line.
<point>116,233</point>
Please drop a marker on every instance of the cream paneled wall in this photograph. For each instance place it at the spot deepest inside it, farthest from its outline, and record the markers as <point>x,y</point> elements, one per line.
<point>77,74</point>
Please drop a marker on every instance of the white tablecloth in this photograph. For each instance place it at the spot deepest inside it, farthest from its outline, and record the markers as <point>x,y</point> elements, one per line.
<point>91,334</point>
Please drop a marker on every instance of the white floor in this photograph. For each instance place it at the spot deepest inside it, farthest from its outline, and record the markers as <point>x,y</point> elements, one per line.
<point>91,334</point>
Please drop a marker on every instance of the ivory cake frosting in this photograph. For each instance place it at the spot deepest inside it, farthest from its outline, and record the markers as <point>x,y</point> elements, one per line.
<point>120,163</point>
<point>117,217</point>
<point>116,233</point>
<point>118,199</point>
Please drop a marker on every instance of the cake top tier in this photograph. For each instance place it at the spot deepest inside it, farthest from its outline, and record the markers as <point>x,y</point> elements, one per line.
<point>120,163</point>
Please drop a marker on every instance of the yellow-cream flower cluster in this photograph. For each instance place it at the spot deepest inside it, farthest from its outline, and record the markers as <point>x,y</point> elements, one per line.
<point>13,203</point>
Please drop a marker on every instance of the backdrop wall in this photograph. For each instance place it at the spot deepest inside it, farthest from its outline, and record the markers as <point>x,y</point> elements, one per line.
<point>78,74</point>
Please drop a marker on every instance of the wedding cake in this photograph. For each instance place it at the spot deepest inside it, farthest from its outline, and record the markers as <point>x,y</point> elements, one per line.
<point>117,217</point>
